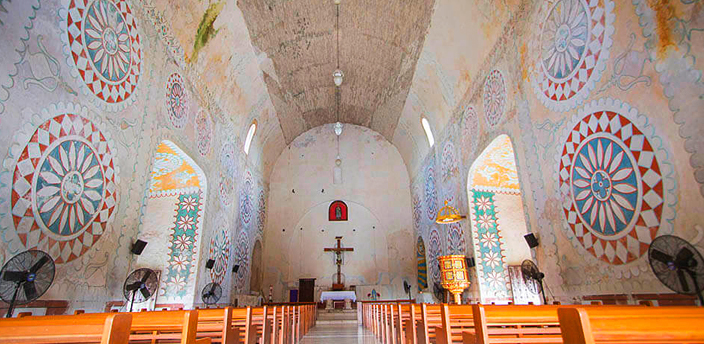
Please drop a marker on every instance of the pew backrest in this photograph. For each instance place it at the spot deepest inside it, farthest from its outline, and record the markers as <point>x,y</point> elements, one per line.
<point>109,329</point>
<point>647,325</point>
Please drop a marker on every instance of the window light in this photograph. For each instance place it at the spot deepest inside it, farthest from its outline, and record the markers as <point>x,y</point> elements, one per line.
<point>428,133</point>
<point>250,136</point>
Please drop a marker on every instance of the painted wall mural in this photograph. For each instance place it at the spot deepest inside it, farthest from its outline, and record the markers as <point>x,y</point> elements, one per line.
<point>177,103</point>
<point>182,259</point>
<point>204,131</point>
<point>417,199</point>
<point>63,193</point>
<point>261,211</point>
<point>242,259</point>
<point>219,251</point>
<point>575,39</point>
<point>449,161</point>
<point>456,243</point>
<point>246,200</point>
<point>491,268</point>
<point>422,265</point>
<point>431,193</point>
<point>173,170</point>
<point>613,182</point>
<point>469,124</point>
<point>435,249</point>
<point>494,97</point>
<point>102,43</point>
<point>495,169</point>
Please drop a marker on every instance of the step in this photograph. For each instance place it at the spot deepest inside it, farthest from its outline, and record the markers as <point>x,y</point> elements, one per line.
<point>337,316</point>
<point>335,322</point>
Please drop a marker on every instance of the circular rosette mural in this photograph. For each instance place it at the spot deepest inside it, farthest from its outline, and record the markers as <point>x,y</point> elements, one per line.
<point>455,239</point>
<point>261,211</point>
<point>204,132</point>
<point>176,101</point>
<point>431,193</point>
<point>575,38</point>
<point>63,190</point>
<point>220,252</point>
<point>494,96</point>
<point>612,181</point>
<point>102,43</point>
<point>470,132</point>
<point>228,160</point>
<point>434,251</point>
<point>246,203</point>
<point>417,207</point>
<point>449,161</point>
<point>242,259</point>
<point>226,188</point>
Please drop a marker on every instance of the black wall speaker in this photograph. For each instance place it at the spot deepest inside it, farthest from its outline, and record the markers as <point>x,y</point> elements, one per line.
<point>210,263</point>
<point>235,268</point>
<point>531,240</point>
<point>138,247</point>
<point>470,262</point>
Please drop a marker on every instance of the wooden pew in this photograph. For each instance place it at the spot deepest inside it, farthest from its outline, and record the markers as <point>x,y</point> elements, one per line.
<point>430,319</point>
<point>110,329</point>
<point>216,324</point>
<point>455,320</point>
<point>513,324</point>
<point>644,325</point>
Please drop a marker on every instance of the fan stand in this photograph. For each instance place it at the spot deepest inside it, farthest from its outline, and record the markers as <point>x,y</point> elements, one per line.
<point>696,287</point>
<point>542,291</point>
<point>132,302</point>
<point>11,308</point>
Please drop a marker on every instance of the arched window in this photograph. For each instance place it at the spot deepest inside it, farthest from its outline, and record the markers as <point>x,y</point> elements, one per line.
<point>428,133</point>
<point>337,211</point>
<point>250,136</point>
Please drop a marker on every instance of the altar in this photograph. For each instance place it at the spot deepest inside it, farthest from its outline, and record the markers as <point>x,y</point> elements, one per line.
<point>338,296</point>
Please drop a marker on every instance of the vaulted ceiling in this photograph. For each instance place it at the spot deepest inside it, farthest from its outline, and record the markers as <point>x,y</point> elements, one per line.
<point>379,45</point>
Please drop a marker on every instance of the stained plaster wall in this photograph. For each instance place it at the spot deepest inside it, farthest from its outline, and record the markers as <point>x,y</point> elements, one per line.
<point>375,188</point>
<point>44,71</point>
<point>647,57</point>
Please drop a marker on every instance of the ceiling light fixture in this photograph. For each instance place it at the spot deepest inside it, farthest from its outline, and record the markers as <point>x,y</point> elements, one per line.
<point>448,214</point>
<point>337,77</point>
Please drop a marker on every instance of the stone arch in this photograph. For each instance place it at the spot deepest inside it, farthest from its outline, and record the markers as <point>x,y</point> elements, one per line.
<point>497,219</point>
<point>255,281</point>
<point>172,223</point>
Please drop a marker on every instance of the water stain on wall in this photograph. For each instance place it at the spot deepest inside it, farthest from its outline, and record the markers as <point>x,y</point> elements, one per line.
<point>206,31</point>
<point>663,12</point>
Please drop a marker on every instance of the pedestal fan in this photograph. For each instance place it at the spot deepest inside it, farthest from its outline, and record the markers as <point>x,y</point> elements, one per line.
<point>25,278</point>
<point>531,272</point>
<point>140,285</point>
<point>211,293</point>
<point>678,265</point>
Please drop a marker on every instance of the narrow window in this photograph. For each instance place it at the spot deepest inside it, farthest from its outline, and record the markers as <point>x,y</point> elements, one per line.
<point>428,133</point>
<point>250,136</point>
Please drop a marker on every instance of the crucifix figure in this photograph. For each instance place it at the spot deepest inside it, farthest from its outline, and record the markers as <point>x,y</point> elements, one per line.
<point>338,261</point>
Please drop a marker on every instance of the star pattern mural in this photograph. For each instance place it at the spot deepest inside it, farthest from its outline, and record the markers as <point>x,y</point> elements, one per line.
<point>64,189</point>
<point>575,39</point>
<point>611,180</point>
<point>102,43</point>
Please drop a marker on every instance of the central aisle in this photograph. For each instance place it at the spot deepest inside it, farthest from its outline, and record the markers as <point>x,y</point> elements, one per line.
<point>341,333</point>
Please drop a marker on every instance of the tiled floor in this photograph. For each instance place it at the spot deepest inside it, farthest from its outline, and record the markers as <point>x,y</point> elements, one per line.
<point>339,334</point>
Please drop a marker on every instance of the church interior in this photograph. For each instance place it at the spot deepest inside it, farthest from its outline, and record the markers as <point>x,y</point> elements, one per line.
<point>377,167</point>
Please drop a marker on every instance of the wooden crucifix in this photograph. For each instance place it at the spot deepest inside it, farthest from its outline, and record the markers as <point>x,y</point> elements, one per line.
<point>338,261</point>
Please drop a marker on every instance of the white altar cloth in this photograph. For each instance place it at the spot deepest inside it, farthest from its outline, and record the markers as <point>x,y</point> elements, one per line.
<point>338,295</point>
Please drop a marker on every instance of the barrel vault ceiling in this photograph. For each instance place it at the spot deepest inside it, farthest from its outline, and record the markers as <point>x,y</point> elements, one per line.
<point>379,45</point>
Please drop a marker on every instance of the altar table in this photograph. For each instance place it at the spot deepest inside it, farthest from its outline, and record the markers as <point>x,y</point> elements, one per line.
<point>338,295</point>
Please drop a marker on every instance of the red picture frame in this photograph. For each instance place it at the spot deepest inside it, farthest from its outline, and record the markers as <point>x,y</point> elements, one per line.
<point>337,211</point>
